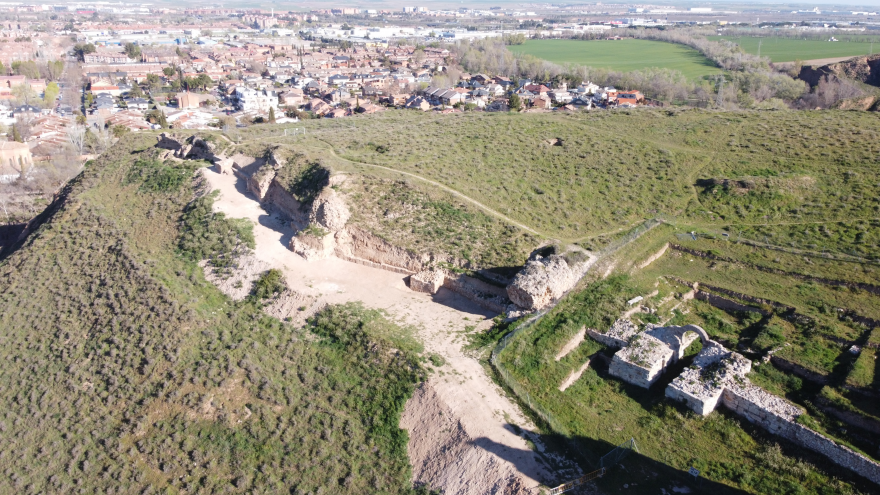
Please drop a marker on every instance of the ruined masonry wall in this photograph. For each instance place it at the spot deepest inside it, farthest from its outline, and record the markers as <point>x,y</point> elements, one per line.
<point>703,403</point>
<point>764,410</point>
<point>485,295</point>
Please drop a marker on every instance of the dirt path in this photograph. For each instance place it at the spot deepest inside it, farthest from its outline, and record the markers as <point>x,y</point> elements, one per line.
<point>465,433</point>
<point>436,184</point>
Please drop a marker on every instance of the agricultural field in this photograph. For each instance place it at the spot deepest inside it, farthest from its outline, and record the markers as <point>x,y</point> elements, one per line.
<point>789,50</point>
<point>621,55</point>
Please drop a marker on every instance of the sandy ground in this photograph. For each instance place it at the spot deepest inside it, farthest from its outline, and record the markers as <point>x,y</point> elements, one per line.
<point>466,436</point>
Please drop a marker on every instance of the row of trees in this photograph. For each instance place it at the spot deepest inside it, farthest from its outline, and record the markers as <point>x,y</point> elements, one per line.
<point>747,75</point>
<point>51,70</point>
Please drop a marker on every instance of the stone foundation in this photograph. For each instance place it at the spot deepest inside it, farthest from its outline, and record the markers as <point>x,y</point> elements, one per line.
<point>642,361</point>
<point>618,335</point>
<point>779,417</point>
<point>312,247</point>
<point>427,281</point>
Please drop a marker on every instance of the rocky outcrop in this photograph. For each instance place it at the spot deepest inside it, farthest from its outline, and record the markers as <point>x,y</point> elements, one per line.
<point>427,281</point>
<point>864,69</point>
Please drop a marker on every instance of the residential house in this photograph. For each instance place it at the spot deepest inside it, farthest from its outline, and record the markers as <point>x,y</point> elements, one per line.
<point>137,104</point>
<point>498,106</point>
<point>630,98</point>
<point>418,103</point>
<point>337,113</point>
<point>538,89</point>
<point>319,107</point>
<point>188,100</point>
<point>542,102</point>
<point>560,96</point>
<point>248,99</point>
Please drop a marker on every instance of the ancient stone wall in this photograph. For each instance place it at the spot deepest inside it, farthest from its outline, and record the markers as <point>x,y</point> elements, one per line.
<point>779,417</point>
<point>427,281</point>
<point>488,296</point>
<point>618,335</point>
<point>654,257</point>
<point>642,361</point>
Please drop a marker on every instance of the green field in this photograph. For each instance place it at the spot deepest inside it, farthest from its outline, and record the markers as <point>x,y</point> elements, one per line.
<point>789,50</point>
<point>621,55</point>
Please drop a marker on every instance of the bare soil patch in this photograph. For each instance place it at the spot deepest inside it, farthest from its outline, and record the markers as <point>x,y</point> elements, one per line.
<point>459,407</point>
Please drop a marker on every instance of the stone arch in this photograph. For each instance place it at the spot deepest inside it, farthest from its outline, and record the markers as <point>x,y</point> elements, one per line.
<point>704,337</point>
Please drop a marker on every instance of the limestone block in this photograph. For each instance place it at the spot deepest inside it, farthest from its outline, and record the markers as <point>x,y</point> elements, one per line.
<point>223,166</point>
<point>329,210</point>
<point>427,281</point>
<point>618,335</point>
<point>541,282</point>
<point>642,361</point>
<point>313,247</point>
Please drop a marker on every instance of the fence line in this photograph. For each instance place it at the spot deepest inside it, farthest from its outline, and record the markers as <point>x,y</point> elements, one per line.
<point>513,384</point>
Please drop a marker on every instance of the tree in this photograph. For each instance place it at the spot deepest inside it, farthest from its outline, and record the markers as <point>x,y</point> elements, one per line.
<point>271,115</point>
<point>54,70</point>
<point>51,93</point>
<point>16,135</point>
<point>23,93</point>
<point>157,117</point>
<point>515,102</point>
<point>119,130</point>
<point>136,91</point>
<point>80,50</point>
<point>207,33</point>
<point>154,81</point>
<point>26,68</point>
<point>76,136</point>
<point>169,71</point>
<point>132,50</point>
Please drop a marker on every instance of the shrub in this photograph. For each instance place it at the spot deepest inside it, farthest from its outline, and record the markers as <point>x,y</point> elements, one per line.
<point>269,283</point>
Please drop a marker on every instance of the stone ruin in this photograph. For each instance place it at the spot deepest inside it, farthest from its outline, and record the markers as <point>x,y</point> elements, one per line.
<point>644,356</point>
<point>544,280</point>
<point>717,376</point>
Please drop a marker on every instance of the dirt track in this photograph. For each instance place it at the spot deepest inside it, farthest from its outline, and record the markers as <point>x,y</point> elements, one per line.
<point>466,436</point>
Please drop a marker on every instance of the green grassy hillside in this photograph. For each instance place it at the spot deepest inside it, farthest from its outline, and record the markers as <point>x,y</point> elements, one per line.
<point>614,169</point>
<point>621,55</point>
<point>123,371</point>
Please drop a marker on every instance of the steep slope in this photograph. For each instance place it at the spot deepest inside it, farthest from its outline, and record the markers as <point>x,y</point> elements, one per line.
<point>124,371</point>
